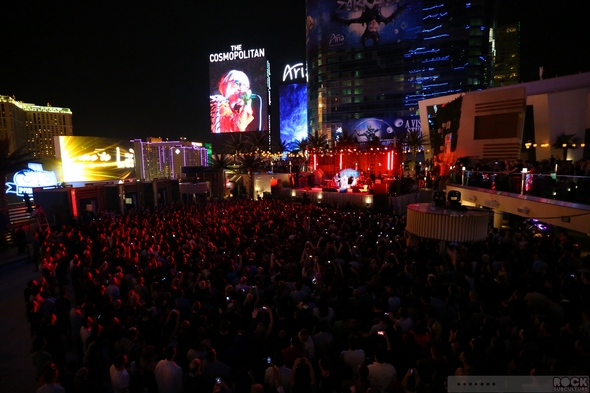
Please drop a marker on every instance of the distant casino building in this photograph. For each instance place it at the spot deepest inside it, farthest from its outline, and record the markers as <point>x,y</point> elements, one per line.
<point>33,126</point>
<point>370,62</point>
<point>158,159</point>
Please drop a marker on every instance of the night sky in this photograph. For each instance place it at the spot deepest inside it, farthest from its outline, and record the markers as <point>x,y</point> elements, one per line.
<point>134,69</point>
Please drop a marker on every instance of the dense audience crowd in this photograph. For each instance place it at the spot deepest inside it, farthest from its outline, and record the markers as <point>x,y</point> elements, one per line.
<point>271,296</point>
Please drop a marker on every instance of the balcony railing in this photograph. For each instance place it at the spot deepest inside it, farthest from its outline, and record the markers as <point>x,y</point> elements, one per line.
<point>543,185</point>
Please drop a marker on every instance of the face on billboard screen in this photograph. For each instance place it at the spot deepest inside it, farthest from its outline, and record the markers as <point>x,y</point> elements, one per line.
<point>368,128</point>
<point>86,158</point>
<point>362,23</point>
<point>239,90</point>
<point>293,110</point>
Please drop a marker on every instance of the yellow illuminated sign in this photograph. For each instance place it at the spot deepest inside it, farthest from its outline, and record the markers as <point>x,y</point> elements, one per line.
<point>95,159</point>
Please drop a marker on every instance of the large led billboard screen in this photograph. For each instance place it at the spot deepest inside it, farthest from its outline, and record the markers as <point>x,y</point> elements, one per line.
<point>239,89</point>
<point>293,113</point>
<point>361,23</point>
<point>86,158</point>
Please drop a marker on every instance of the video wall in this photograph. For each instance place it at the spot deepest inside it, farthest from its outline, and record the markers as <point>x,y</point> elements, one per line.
<point>239,87</point>
<point>367,129</point>
<point>361,23</point>
<point>293,113</point>
<point>86,158</point>
<point>44,172</point>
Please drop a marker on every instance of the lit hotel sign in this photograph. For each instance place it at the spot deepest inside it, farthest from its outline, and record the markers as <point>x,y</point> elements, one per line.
<point>237,53</point>
<point>34,176</point>
<point>294,72</point>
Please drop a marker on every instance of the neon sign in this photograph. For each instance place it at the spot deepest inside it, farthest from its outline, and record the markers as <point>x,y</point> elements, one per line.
<point>127,162</point>
<point>294,72</point>
<point>237,53</point>
<point>25,180</point>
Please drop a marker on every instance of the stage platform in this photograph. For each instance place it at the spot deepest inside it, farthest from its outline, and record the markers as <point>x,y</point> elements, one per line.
<point>382,202</point>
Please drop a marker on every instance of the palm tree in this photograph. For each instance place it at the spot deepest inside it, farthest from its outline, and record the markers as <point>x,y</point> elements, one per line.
<point>236,145</point>
<point>414,140</point>
<point>347,140</point>
<point>11,162</point>
<point>301,145</point>
<point>222,163</point>
<point>251,164</point>
<point>280,146</point>
<point>317,141</point>
<point>300,150</point>
<point>565,142</point>
<point>257,142</point>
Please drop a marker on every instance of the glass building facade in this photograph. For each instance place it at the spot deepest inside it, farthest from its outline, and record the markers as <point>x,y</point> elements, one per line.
<point>376,59</point>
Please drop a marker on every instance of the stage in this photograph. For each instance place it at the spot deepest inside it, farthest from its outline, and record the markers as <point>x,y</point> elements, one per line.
<point>381,201</point>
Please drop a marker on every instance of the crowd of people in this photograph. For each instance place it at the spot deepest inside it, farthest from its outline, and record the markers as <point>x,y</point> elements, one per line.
<point>273,296</point>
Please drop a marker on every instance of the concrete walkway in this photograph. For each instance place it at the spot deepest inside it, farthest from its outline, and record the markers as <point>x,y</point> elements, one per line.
<point>17,374</point>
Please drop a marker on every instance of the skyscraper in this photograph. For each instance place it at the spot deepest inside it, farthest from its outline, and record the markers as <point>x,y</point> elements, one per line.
<point>33,126</point>
<point>506,53</point>
<point>12,122</point>
<point>370,62</point>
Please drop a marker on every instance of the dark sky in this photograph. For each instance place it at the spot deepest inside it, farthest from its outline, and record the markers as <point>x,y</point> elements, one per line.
<point>553,35</point>
<point>134,69</point>
<point>137,68</point>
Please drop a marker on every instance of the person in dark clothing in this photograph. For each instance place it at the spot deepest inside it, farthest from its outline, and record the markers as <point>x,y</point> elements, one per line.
<point>328,381</point>
<point>21,240</point>
<point>194,381</point>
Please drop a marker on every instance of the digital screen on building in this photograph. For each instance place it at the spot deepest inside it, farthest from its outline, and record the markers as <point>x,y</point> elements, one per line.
<point>361,23</point>
<point>367,129</point>
<point>86,158</point>
<point>45,173</point>
<point>239,89</point>
<point>293,113</point>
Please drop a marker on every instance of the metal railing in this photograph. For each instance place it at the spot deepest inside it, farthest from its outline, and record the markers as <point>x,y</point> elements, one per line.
<point>543,185</point>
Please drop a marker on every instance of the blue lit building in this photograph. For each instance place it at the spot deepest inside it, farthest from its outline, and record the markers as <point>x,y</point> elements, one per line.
<point>370,62</point>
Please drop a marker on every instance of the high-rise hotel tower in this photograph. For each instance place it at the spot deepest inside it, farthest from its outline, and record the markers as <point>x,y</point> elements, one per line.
<point>370,61</point>
<point>33,126</point>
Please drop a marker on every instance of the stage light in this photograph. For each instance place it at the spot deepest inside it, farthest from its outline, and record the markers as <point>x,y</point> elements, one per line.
<point>454,198</point>
<point>438,197</point>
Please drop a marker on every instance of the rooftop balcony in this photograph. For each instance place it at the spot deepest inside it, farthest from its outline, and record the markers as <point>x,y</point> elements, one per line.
<point>558,200</point>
